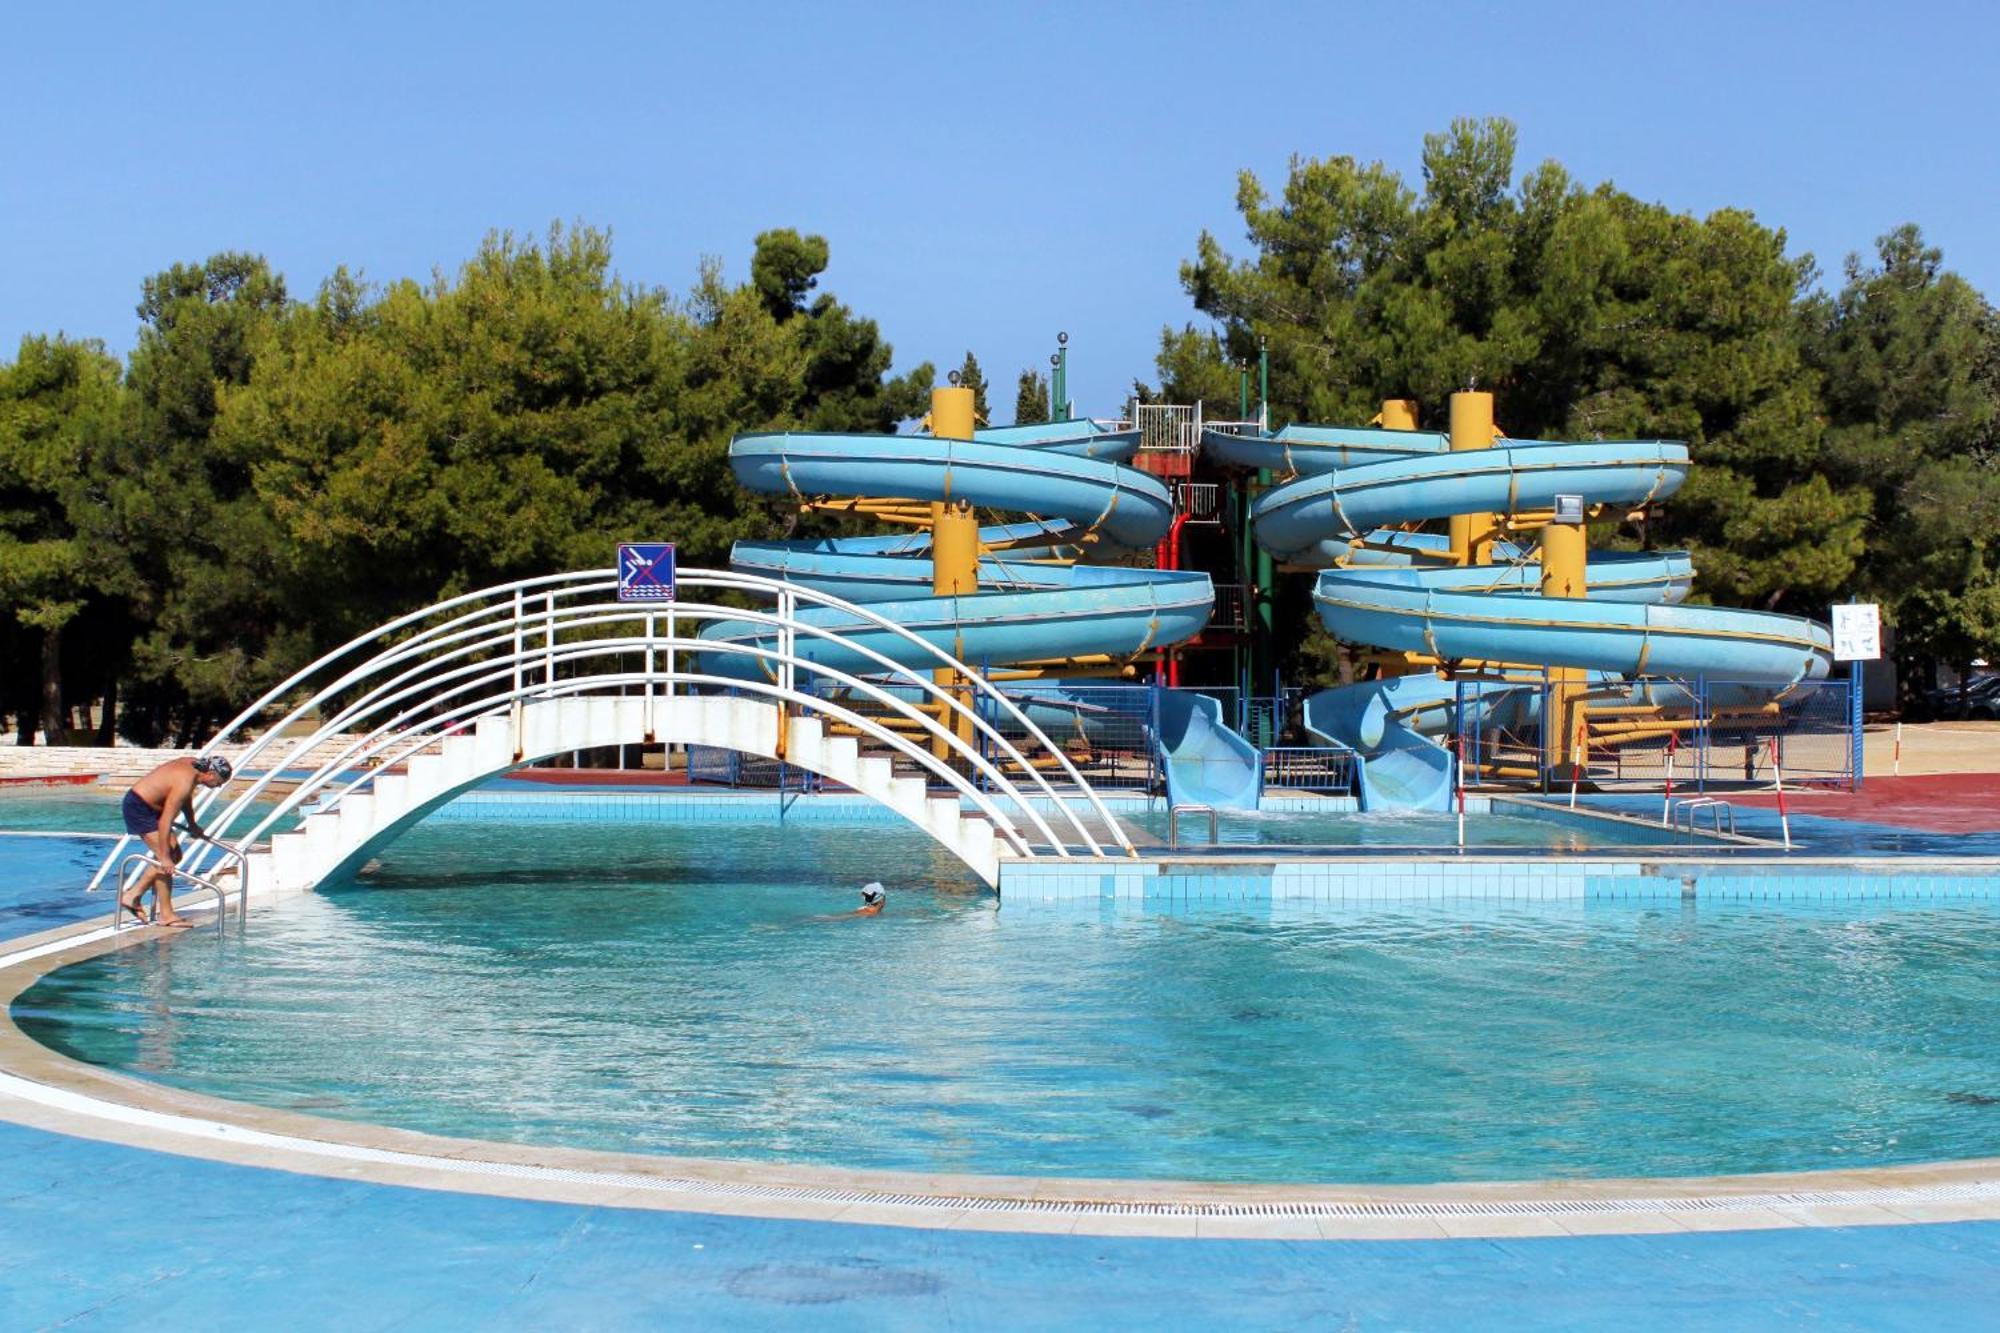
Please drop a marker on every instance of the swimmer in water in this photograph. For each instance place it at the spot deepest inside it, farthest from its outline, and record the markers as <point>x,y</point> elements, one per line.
<point>873,899</point>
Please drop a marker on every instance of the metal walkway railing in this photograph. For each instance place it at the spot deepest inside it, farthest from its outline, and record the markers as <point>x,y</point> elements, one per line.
<point>404,687</point>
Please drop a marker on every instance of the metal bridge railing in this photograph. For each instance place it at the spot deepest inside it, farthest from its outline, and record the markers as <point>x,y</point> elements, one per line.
<point>398,690</point>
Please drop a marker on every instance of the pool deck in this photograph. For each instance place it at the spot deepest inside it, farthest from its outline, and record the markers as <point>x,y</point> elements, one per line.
<point>125,1204</point>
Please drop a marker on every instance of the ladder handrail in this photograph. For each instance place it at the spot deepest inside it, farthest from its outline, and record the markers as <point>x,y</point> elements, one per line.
<point>146,858</point>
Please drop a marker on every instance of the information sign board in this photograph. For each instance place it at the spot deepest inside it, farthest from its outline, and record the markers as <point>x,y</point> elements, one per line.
<point>1857,632</point>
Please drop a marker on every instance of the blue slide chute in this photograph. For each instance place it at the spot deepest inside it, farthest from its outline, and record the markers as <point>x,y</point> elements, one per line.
<point>1034,605</point>
<point>1388,589</point>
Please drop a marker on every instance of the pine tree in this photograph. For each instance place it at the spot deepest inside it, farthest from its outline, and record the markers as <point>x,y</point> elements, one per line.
<point>1031,400</point>
<point>970,378</point>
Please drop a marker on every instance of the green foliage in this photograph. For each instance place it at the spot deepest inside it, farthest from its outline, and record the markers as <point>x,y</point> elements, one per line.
<point>1589,313</point>
<point>1031,399</point>
<point>845,388</point>
<point>58,402</point>
<point>1909,355</point>
<point>273,476</point>
<point>191,551</point>
<point>969,377</point>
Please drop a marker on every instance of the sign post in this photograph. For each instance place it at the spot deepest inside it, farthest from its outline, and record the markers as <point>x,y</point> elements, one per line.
<point>1857,639</point>
<point>646,572</point>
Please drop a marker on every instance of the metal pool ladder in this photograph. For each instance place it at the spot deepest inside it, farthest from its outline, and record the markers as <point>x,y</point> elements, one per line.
<point>1174,823</point>
<point>1719,814</point>
<point>211,882</point>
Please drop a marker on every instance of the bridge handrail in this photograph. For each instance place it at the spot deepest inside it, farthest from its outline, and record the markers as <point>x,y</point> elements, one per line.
<point>698,611</point>
<point>603,613</point>
<point>991,691</point>
<point>380,747</point>
<point>582,685</point>
<point>511,600</point>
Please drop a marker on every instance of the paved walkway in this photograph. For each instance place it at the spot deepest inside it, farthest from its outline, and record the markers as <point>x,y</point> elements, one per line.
<point>1936,803</point>
<point>98,1236</point>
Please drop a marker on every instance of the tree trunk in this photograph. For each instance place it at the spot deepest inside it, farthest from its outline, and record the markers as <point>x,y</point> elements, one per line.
<point>54,730</point>
<point>107,726</point>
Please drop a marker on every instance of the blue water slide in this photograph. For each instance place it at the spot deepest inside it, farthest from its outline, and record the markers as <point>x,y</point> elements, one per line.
<point>1349,502</point>
<point>1122,504</point>
<point>1206,762</point>
<point>1385,588</point>
<point>1033,605</point>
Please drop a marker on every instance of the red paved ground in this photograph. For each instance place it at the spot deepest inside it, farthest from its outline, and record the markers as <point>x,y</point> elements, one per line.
<point>54,780</point>
<point>1937,802</point>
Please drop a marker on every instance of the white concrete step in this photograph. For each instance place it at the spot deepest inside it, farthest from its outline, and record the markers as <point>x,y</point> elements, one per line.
<point>357,817</point>
<point>941,816</point>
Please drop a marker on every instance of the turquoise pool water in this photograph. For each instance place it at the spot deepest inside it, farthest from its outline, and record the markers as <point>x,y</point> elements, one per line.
<point>44,809</point>
<point>77,810</point>
<point>693,990</point>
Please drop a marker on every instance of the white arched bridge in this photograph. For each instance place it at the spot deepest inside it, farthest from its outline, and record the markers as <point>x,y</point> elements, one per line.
<point>441,700</point>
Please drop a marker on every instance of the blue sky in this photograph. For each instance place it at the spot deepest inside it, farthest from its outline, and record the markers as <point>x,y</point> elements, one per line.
<point>986,175</point>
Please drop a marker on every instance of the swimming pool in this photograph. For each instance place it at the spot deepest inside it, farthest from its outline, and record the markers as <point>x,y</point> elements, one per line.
<point>695,990</point>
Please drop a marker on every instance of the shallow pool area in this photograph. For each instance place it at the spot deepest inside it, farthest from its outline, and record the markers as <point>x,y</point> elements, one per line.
<point>698,990</point>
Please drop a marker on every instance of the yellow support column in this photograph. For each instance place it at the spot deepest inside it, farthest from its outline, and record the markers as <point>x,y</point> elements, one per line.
<point>1398,414</point>
<point>954,540</point>
<point>1565,560</point>
<point>1472,428</point>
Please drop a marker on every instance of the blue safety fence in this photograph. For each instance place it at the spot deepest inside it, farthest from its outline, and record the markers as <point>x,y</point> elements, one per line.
<point>1320,768</point>
<point>1699,734</point>
<point>1107,731</point>
<point>1110,733</point>
<point>733,768</point>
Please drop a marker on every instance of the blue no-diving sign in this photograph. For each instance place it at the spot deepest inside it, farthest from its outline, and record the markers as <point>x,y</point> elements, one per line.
<point>646,572</point>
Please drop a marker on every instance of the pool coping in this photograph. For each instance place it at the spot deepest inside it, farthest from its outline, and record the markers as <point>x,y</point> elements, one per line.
<point>45,1089</point>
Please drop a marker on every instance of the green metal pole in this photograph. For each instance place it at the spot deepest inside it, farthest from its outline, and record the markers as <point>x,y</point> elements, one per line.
<point>1240,499</point>
<point>1265,571</point>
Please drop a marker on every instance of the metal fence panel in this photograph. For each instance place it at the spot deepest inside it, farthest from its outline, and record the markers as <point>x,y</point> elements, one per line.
<point>1695,733</point>
<point>1323,768</point>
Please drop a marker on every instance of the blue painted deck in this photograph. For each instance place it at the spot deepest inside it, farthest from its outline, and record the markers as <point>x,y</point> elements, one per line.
<point>111,1237</point>
<point>97,1235</point>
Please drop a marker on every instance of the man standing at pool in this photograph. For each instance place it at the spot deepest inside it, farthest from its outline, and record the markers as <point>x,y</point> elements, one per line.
<point>149,811</point>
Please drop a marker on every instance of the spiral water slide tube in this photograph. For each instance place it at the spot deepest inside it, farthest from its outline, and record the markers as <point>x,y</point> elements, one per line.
<point>1033,605</point>
<point>1381,587</point>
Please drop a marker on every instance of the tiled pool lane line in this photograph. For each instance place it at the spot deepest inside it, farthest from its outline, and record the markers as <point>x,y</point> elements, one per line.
<point>41,1087</point>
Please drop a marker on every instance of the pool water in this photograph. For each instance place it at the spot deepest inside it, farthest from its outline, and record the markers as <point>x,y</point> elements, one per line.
<point>85,811</point>
<point>695,990</point>
<point>49,810</point>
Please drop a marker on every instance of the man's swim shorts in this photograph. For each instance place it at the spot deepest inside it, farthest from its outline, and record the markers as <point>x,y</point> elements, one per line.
<point>140,818</point>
